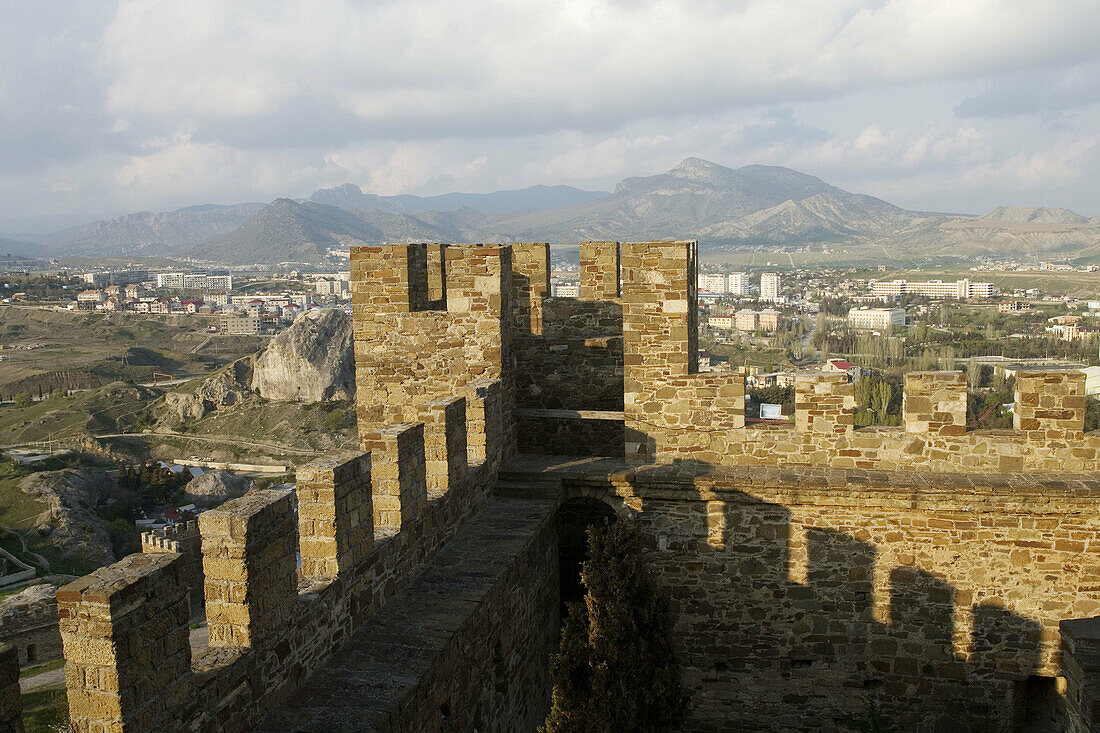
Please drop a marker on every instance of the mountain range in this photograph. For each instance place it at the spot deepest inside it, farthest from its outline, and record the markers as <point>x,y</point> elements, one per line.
<point>754,206</point>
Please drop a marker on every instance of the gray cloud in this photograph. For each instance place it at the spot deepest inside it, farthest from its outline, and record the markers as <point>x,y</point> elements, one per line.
<point>1043,92</point>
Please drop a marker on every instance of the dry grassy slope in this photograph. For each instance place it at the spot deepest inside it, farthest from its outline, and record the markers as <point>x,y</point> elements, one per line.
<point>74,350</point>
<point>320,427</point>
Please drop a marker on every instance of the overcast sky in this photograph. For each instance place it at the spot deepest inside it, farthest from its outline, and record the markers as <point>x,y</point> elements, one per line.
<point>936,105</point>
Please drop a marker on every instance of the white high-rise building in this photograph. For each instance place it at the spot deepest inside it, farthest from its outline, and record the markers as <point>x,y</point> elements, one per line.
<point>738,283</point>
<point>714,283</point>
<point>769,286</point>
<point>194,281</point>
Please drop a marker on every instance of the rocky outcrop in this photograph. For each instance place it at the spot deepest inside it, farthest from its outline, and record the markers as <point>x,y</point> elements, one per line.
<point>218,391</point>
<point>70,523</point>
<point>312,361</point>
<point>215,488</point>
<point>40,594</point>
<point>185,405</point>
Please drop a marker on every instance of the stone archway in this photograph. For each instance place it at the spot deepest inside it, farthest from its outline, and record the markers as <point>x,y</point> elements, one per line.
<point>574,517</point>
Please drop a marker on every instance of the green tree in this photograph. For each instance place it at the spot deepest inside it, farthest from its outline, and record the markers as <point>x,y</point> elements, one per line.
<point>616,669</point>
<point>22,400</point>
<point>882,394</point>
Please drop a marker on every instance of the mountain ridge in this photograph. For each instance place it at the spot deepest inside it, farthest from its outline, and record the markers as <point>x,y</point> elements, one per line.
<point>752,206</point>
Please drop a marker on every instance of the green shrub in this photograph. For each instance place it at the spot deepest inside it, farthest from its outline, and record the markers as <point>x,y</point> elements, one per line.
<point>615,669</point>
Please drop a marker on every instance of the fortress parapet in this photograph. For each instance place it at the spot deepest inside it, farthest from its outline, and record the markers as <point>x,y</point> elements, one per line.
<point>124,630</point>
<point>182,538</point>
<point>462,359</point>
<point>671,411</point>
<point>1081,668</point>
<point>364,524</point>
<point>400,483</point>
<point>1050,406</point>
<point>11,701</point>
<point>335,515</point>
<point>600,265</point>
<point>665,398</point>
<point>824,404</point>
<point>935,403</point>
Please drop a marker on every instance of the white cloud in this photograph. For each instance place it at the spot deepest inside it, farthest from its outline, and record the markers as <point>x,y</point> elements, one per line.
<point>158,103</point>
<point>578,63</point>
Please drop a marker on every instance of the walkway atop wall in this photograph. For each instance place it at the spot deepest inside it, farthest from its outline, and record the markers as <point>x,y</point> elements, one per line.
<point>399,669</point>
<point>542,476</point>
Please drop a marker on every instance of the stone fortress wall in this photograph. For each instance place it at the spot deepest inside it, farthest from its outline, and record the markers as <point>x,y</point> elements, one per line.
<point>182,538</point>
<point>377,531</point>
<point>951,576</point>
<point>32,631</point>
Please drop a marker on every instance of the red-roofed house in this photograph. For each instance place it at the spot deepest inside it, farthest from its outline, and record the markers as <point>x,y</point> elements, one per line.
<point>846,367</point>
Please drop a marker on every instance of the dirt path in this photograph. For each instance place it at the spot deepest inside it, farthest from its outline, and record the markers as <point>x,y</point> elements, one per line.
<point>46,680</point>
<point>55,678</point>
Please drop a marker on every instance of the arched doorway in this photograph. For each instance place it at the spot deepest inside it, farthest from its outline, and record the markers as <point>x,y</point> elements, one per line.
<point>574,517</point>
<point>32,653</point>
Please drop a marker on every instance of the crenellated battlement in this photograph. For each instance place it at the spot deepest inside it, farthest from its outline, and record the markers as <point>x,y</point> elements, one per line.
<point>630,343</point>
<point>363,523</point>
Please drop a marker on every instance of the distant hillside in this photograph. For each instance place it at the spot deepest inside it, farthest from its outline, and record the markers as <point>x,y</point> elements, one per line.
<point>349,196</point>
<point>1034,214</point>
<point>19,249</point>
<point>289,231</point>
<point>756,203</point>
<point>150,233</point>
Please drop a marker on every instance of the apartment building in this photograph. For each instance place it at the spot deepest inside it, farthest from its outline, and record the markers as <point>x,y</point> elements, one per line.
<point>964,288</point>
<point>714,283</point>
<point>875,319</point>
<point>769,286</point>
<point>738,283</point>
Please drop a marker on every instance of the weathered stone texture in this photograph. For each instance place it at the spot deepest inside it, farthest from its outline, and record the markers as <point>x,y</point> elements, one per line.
<point>665,396</point>
<point>124,629</point>
<point>11,702</point>
<point>801,593</point>
<point>398,478</point>
<point>566,436</point>
<point>408,354</point>
<point>1050,406</point>
<point>445,444</point>
<point>1081,667</point>
<point>248,548</point>
<point>600,263</point>
<point>335,515</point>
<point>935,403</point>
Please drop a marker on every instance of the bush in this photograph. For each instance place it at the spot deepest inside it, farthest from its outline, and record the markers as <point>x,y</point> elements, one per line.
<point>22,400</point>
<point>334,420</point>
<point>615,669</point>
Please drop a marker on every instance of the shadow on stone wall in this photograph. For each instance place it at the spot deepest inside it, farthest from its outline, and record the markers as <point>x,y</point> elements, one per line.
<point>575,363</point>
<point>762,651</point>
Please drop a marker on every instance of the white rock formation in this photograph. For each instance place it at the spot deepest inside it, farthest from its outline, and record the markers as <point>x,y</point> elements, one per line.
<point>216,487</point>
<point>312,361</point>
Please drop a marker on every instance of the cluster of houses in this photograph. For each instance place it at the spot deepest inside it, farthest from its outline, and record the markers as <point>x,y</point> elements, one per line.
<point>756,379</point>
<point>239,313</point>
<point>747,320</point>
<point>1070,328</point>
